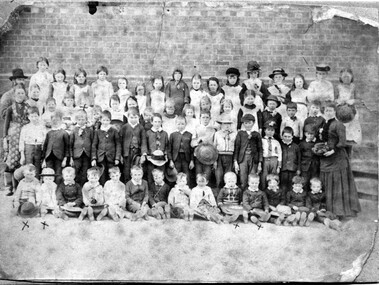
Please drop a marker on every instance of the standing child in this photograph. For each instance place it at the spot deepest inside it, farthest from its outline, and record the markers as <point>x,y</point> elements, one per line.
<point>293,122</point>
<point>123,92</point>
<point>321,89</point>
<point>315,119</point>
<point>196,93</point>
<point>169,116</point>
<point>248,152</point>
<point>251,108</point>
<point>227,109</point>
<point>255,203</point>
<point>131,102</point>
<point>56,148</point>
<point>15,119</point>
<point>156,98</point>
<point>33,100</point>
<point>94,118</point>
<point>137,194</point>
<point>178,90</point>
<point>254,83</point>
<point>82,90</point>
<point>80,147</point>
<point>118,118</point>
<point>93,195</point>
<point>216,94</point>
<point>114,197</point>
<point>180,153</point>
<point>42,78</point>
<point>59,87</point>
<point>278,88</point>
<point>191,122</point>
<point>51,107</point>
<point>179,199</point>
<point>299,94</point>
<point>106,147</point>
<point>141,96</point>
<point>272,153</point>
<point>102,88</point>
<point>48,196</point>
<point>69,111</point>
<point>290,159</point>
<point>232,88</point>
<point>271,114</point>
<point>133,143</point>
<point>32,137</point>
<point>146,118</point>
<point>206,106</point>
<point>158,195</point>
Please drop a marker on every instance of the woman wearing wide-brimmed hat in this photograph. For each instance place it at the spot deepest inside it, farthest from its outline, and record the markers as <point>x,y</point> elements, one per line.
<point>279,89</point>
<point>321,89</point>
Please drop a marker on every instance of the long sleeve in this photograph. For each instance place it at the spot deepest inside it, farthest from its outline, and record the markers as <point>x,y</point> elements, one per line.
<point>239,119</point>
<point>245,201</point>
<point>211,197</point>
<point>279,154</point>
<point>260,119</point>
<point>265,201</point>
<point>7,121</point>
<point>341,132</point>
<point>118,146</point>
<point>242,93</point>
<point>187,98</point>
<point>128,192</point>
<point>170,146</point>
<point>143,141</point>
<point>170,199</point>
<point>167,90</point>
<point>79,198</point>
<point>72,143</point>
<point>59,194</point>
<point>146,191</point>
<point>21,144</point>
<point>95,143</point>
<point>220,196</point>
<point>237,146</point>
<point>66,141</point>
<point>259,147</point>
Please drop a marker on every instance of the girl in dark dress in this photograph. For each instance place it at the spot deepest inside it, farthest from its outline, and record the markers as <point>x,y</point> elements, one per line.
<point>335,170</point>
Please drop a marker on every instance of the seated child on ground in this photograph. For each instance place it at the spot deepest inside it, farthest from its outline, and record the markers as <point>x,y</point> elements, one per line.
<point>276,200</point>
<point>93,195</point>
<point>158,194</point>
<point>114,197</point>
<point>255,203</point>
<point>136,194</point>
<point>230,197</point>
<point>179,198</point>
<point>316,202</point>
<point>47,194</point>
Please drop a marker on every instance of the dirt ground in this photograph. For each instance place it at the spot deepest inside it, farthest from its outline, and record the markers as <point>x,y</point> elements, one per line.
<point>175,250</point>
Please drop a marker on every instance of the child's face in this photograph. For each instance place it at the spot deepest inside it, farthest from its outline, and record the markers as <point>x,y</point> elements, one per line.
<point>278,78</point>
<point>81,121</point>
<point>157,123</point>
<point>346,77</point>
<point>291,112</point>
<point>68,176</point>
<point>232,79</point>
<point>133,119</point>
<point>271,105</point>
<point>115,176</point>
<point>157,84</point>
<point>309,136</point>
<point>93,177</point>
<point>147,116</point>
<point>132,104</point>
<point>204,119</point>
<point>297,187</point>
<point>189,113</point>
<point>249,100</point>
<point>248,125</point>
<point>205,105</point>
<point>48,179</point>
<point>115,105</point>
<point>329,113</point>
<point>320,75</point>
<point>80,78</point>
<point>102,75</point>
<point>182,182</point>
<point>287,137</point>
<point>230,181</point>
<point>158,178</point>
<point>196,83</point>
<point>56,121</point>
<point>227,108</point>
<point>19,80</point>
<point>299,83</point>
<point>272,183</point>
<point>137,176</point>
<point>270,132</point>
<point>42,66</point>
<point>69,102</point>
<point>315,187</point>
<point>254,74</point>
<point>59,77</point>
<point>96,114</point>
<point>180,125</point>
<point>105,121</point>
<point>314,110</point>
<point>226,127</point>
<point>29,175</point>
<point>51,106</point>
<point>20,95</point>
<point>254,183</point>
<point>33,118</point>
<point>170,109</point>
<point>34,94</point>
<point>177,76</point>
<point>213,86</point>
<point>201,182</point>
<point>121,83</point>
<point>140,90</point>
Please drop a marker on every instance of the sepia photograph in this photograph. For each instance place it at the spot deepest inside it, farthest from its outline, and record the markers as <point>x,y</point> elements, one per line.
<point>189,141</point>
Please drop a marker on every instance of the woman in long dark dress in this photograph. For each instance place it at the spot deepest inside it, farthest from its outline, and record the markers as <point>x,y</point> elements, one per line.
<point>335,171</point>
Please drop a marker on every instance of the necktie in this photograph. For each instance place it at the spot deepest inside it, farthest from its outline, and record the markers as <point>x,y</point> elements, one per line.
<point>269,147</point>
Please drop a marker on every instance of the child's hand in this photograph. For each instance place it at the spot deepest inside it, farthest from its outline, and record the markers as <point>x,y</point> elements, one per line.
<point>278,170</point>
<point>93,163</point>
<point>172,165</point>
<point>295,208</point>
<point>215,165</point>
<point>72,162</point>
<point>298,172</point>
<point>329,153</point>
<point>191,165</point>
<point>143,159</point>
<point>236,167</point>
<point>64,162</point>
<point>70,204</point>
<point>259,169</point>
<point>43,164</point>
<point>116,162</point>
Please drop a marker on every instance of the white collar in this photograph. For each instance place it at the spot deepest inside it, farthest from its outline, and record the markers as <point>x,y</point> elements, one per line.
<point>133,126</point>
<point>135,183</point>
<point>155,130</point>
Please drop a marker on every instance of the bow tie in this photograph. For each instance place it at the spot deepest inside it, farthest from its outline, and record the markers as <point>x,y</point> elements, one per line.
<point>71,182</point>
<point>274,189</point>
<point>293,118</point>
<point>159,185</point>
<point>254,190</point>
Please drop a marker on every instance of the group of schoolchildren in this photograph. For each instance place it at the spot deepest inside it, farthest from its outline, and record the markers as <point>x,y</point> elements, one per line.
<point>122,155</point>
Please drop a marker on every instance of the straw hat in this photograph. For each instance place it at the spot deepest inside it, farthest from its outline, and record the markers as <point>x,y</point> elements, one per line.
<point>273,98</point>
<point>278,71</point>
<point>206,153</point>
<point>28,210</point>
<point>157,158</point>
<point>253,66</point>
<point>345,113</point>
<point>322,67</point>
<point>171,174</point>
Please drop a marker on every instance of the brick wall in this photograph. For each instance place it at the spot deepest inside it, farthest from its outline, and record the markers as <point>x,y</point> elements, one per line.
<point>143,38</point>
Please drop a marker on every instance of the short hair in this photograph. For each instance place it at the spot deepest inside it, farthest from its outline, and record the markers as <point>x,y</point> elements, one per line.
<point>33,110</point>
<point>315,180</point>
<point>291,105</point>
<point>35,86</point>
<point>114,169</point>
<point>20,86</point>
<point>207,100</point>
<point>253,176</point>
<point>180,118</point>
<point>205,112</point>
<point>123,78</point>
<point>42,59</point>
<point>224,102</point>
<point>57,114</point>
<point>249,93</point>
<point>230,174</point>
<point>97,108</point>
<point>148,110</point>
<point>330,104</point>
<point>107,114</point>
<point>180,176</point>
<point>69,95</point>
<point>136,168</point>
<point>67,170</point>
<point>29,167</point>
<point>287,130</point>
<point>140,84</point>
<point>51,99</point>
<point>80,113</point>
<point>201,177</point>
<point>298,180</point>
<point>114,97</point>
<point>156,115</point>
<point>170,102</point>
<point>102,68</point>
<point>60,70</point>
<point>188,107</point>
<point>133,111</point>
<point>272,177</point>
<point>157,171</point>
<point>215,79</point>
<point>346,70</point>
<point>77,73</point>
<point>94,170</point>
<point>316,103</point>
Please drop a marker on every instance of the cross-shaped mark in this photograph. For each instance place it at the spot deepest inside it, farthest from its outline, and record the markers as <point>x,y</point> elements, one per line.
<point>25,225</point>
<point>236,225</point>
<point>44,224</point>
<point>259,227</point>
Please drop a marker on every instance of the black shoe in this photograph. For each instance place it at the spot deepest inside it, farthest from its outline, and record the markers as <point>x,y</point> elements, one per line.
<point>10,194</point>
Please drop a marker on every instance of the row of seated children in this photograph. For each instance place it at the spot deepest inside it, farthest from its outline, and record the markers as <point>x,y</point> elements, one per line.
<point>137,199</point>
